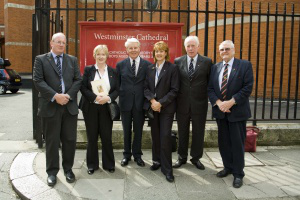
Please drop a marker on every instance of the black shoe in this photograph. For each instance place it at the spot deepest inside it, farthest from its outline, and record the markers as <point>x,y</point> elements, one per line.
<point>125,161</point>
<point>199,165</point>
<point>237,182</point>
<point>70,177</point>
<point>155,166</point>
<point>170,178</point>
<point>90,171</point>
<point>51,180</point>
<point>139,162</point>
<point>178,163</point>
<point>223,173</point>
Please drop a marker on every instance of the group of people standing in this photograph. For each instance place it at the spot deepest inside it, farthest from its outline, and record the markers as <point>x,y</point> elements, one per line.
<point>162,88</point>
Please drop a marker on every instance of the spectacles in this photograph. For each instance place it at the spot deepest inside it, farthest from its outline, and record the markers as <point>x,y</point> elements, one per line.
<point>226,49</point>
<point>61,43</point>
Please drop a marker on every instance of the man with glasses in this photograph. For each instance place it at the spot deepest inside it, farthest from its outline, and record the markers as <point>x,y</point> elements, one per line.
<point>192,102</point>
<point>229,89</point>
<point>57,78</point>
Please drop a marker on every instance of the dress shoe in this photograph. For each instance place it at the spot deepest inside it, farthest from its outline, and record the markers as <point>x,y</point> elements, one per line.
<point>125,161</point>
<point>170,178</point>
<point>90,171</point>
<point>223,173</point>
<point>139,162</point>
<point>51,180</point>
<point>237,182</point>
<point>70,177</point>
<point>155,166</point>
<point>178,163</point>
<point>199,165</point>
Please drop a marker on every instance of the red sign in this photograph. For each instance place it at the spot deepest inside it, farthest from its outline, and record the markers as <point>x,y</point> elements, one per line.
<point>115,34</point>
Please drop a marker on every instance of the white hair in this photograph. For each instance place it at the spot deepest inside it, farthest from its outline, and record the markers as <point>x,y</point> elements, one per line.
<point>132,40</point>
<point>227,42</point>
<point>57,35</point>
<point>191,38</point>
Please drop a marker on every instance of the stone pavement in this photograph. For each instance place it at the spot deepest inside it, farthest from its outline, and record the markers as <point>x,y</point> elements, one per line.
<point>271,173</point>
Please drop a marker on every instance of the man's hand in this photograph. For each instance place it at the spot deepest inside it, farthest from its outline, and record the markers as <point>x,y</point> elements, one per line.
<point>225,106</point>
<point>62,99</point>
<point>155,105</point>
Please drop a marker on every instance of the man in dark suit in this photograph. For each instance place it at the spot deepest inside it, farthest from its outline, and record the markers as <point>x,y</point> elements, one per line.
<point>132,73</point>
<point>229,89</point>
<point>192,102</point>
<point>57,78</point>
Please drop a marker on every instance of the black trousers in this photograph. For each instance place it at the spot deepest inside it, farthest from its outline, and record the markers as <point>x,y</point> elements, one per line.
<point>61,128</point>
<point>98,123</point>
<point>231,139</point>
<point>161,127</point>
<point>135,118</point>
<point>198,130</point>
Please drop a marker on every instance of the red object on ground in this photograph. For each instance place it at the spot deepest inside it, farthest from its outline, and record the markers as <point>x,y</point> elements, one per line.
<point>251,135</point>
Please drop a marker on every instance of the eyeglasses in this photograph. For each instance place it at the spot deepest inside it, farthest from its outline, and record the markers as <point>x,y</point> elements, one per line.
<point>226,49</point>
<point>61,43</point>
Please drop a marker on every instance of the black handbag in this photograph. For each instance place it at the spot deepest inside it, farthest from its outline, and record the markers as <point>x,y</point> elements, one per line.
<point>149,113</point>
<point>114,111</point>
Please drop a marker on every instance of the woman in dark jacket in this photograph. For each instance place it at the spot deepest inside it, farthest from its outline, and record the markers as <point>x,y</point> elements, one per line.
<point>99,88</point>
<point>161,87</point>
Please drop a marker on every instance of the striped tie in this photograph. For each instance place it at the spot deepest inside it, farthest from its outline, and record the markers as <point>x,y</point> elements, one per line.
<point>224,82</point>
<point>133,68</point>
<point>58,65</point>
<point>191,69</point>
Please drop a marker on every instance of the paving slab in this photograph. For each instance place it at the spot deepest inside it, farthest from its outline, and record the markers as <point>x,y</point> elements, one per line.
<point>18,146</point>
<point>108,189</point>
<point>22,165</point>
<point>268,158</point>
<point>5,161</point>
<point>6,196</point>
<point>292,190</point>
<point>53,194</point>
<point>250,160</point>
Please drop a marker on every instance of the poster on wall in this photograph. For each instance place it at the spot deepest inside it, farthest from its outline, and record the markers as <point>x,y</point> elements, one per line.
<point>115,34</point>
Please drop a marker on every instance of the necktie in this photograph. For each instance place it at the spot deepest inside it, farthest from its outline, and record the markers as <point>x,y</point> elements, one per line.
<point>58,65</point>
<point>133,67</point>
<point>224,82</point>
<point>191,69</point>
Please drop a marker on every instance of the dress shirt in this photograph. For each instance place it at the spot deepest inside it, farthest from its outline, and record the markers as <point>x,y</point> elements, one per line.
<point>137,63</point>
<point>194,61</point>
<point>229,67</point>
<point>62,80</point>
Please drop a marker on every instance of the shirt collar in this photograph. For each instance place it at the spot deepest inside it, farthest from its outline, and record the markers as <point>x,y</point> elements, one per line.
<point>230,63</point>
<point>54,55</point>
<point>105,68</point>
<point>137,60</point>
<point>160,66</point>
<point>194,59</point>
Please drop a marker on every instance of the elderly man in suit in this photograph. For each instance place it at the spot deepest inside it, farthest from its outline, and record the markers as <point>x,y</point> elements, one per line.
<point>192,102</point>
<point>229,89</point>
<point>132,74</point>
<point>57,78</point>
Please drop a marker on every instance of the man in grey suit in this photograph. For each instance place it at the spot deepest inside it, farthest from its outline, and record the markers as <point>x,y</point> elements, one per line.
<point>192,102</point>
<point>57,78</point>
<point>132,74</point>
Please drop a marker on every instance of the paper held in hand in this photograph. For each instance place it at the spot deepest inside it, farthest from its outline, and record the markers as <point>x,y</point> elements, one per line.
<point>99,87</point>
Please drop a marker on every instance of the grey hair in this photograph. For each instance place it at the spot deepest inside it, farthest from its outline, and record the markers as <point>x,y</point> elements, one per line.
<point>132,40</point>
<point>191,38</point>
<point>227,42</point>
<point>54,36</point>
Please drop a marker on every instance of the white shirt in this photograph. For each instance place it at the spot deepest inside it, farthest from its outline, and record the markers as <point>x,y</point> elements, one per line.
<point>137,63</point>
<point>194,61</point>
<point>105,77</point>
<point>229,67</point>
<point>158,69</point>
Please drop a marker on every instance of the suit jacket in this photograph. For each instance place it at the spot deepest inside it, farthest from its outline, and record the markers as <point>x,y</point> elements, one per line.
<point>192,94</point>
<point>47,82</point>
<point>131,88</point>
<point>88,96</point>
<point>166,89</point>
<point>239,86</point>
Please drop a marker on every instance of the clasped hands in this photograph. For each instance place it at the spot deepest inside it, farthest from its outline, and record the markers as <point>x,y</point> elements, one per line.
<point>225,106</point>
<point>155,105</point>
<point>62,99</point>
<point>102,98</point>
